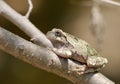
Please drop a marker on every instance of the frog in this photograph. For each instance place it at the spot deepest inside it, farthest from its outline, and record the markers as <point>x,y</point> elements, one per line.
<point>71,47</point>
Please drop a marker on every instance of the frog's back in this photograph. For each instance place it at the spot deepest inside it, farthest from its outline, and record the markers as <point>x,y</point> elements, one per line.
<point>81,46</point>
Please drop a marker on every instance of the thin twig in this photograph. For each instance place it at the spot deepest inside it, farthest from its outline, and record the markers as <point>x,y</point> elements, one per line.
<point>45,59</point>
<point>89,2</point>
<point>111,2</point>
<point>29,9</point>
<point>24,24</point>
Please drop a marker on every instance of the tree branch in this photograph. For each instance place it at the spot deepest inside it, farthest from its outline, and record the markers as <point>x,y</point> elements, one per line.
<point>45,59</point>
<point>24,24</point>
<point>96,78</point>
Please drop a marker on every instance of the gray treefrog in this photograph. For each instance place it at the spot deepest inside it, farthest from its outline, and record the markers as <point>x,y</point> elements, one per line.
<point>69,46</point>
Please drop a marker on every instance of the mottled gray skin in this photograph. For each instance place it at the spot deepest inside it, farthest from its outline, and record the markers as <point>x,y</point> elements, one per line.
<point>69,46</point>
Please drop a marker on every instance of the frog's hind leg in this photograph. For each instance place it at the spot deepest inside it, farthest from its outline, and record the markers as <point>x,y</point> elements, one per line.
<point>96,62</point>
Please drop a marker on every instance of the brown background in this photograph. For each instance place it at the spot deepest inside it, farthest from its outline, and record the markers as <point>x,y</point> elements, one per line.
<point>71,17</point>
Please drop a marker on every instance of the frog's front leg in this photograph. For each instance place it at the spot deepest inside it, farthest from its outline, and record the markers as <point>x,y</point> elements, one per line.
<point>62,52</point>
<point>96,61</point>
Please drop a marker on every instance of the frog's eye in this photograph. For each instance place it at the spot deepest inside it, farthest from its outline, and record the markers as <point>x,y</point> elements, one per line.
<point>58,34</point>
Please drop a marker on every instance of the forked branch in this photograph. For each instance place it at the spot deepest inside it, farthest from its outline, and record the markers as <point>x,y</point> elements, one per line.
<point>24,24</point>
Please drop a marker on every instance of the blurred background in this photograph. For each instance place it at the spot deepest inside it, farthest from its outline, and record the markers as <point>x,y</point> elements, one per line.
<point>74,17</point>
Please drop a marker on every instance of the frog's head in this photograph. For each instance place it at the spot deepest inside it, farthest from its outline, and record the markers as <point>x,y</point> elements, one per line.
<point>57,36</point>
